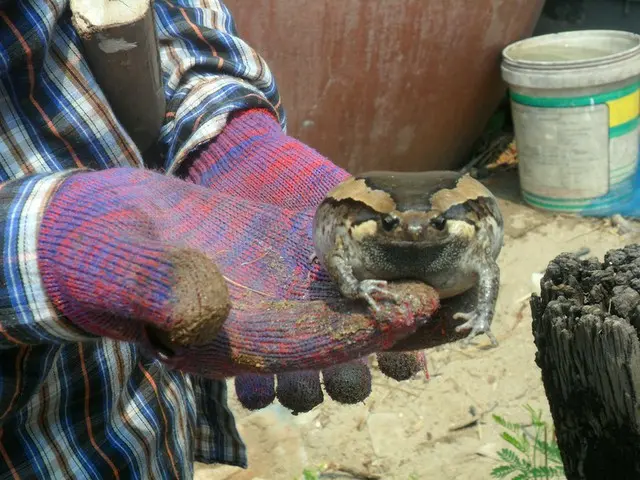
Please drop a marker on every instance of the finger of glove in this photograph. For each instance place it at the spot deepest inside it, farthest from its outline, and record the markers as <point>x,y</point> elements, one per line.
<point>402,366</point>
<point>107,269</point>
<point>255,391</point>
<point>299,391</point>
<point>348,383</point>
<point>284,336</point>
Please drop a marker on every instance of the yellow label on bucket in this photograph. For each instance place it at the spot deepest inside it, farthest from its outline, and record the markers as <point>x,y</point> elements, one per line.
<point>624,109</point>
<point>578,153</point>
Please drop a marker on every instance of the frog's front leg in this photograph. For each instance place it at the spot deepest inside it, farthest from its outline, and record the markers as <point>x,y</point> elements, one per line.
<point>479,321</point>
<point>341,270</point>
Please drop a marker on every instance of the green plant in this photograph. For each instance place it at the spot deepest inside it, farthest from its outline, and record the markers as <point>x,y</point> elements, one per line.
<point>310,474</point>
<point>535,453</point>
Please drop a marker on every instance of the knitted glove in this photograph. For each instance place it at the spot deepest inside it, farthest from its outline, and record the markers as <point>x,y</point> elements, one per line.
<point>254,159</point>
<point>129,254</point>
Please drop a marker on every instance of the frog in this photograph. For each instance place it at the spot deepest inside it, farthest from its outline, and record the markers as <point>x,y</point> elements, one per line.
<point>443,228</point>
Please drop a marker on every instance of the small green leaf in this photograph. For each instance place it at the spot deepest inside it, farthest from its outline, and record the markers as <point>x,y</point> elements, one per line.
<point>543,472</point>
<point>502,471</point>
<point>512,459</point>
<point>524,465</point>
<point>309,474</point>
<point>521,445</point>
<point>499,420</point>
<point>535,453</point>
<point>508,456</point>
<point>514,427</point>
<point>536,416</point>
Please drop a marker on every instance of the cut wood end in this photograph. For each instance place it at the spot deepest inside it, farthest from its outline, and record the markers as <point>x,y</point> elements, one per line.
<point>91,16</point>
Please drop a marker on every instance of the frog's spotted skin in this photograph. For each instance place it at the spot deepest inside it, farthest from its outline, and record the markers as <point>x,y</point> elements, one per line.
<point>443,228</point>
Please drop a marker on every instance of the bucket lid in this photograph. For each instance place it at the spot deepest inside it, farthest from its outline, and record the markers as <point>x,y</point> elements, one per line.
<point>580,58</point>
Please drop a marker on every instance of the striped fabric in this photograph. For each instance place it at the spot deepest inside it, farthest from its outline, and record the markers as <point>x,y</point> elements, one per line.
<point>70,406</point>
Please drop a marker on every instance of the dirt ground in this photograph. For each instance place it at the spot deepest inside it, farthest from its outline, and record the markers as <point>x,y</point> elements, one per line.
<point>408,430</point>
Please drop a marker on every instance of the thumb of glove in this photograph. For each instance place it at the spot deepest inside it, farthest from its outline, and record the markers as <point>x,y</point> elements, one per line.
<point>107,270</point>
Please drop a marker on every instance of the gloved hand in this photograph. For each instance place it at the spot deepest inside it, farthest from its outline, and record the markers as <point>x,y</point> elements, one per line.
<point>254,159</point>
<point>130,254</point>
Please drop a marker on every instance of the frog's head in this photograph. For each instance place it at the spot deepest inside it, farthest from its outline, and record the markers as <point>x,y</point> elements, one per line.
<point>426,209</point>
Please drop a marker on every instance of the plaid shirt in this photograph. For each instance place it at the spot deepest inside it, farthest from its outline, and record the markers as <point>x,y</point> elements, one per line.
<point>71,407</point>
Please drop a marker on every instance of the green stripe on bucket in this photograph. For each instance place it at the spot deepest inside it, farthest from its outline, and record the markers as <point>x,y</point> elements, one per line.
<point>616,193</point>
<point>612,190</point>
<point>586,207</point>
<point>624,128</point>
<point>567,102</point>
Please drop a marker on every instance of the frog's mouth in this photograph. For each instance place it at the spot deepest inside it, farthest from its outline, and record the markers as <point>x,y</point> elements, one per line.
<point>398,247</point>
<point>424,237</point>
<point>422,244</point>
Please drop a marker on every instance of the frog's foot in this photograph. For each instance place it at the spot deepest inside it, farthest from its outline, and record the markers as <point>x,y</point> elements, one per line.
<point>478,323</point>
<point>369,287</point>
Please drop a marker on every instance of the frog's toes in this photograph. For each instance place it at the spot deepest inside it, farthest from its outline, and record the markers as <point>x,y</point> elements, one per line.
<point>477,323</point>
<point>369,287</point>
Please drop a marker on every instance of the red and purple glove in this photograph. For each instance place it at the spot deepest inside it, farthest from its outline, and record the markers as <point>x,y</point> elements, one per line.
<point>130,254</point>
<point>136,256</point>
<point>253,159</point>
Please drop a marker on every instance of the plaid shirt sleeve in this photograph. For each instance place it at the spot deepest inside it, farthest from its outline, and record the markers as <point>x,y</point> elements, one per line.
<point>209,71</point>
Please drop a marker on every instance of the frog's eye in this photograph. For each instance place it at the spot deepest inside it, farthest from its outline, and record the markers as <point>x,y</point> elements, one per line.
<point>439,223</point>
<point>390,222</point>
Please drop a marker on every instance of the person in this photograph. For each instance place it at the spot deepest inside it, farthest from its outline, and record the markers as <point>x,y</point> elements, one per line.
<point>102,255</point>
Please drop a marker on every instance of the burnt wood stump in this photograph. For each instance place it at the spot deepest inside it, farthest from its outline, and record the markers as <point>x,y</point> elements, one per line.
<point>585,327</point>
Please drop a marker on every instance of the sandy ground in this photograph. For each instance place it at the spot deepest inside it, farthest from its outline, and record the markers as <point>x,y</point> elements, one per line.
<point>407,430</point>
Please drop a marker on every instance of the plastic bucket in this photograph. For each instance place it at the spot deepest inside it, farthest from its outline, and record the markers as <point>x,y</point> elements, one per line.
<point>575,100</point>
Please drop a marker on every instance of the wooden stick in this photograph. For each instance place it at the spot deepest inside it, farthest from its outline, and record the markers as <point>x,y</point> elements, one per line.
<point>121,46</point>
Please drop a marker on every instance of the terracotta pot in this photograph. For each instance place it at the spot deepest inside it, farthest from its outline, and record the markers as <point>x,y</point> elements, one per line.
<point>387,84</point>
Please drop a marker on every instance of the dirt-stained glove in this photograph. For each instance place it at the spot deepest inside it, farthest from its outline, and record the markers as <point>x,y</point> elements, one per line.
<point>137,256</point>
<point>255,160</point>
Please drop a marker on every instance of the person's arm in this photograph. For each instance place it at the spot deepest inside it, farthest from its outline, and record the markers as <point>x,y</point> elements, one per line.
<point>209,73</point>
<point>225,126</point>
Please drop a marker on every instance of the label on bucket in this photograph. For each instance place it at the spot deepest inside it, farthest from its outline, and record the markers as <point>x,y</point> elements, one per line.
<point>566,151</point>
<point>577,153</point>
